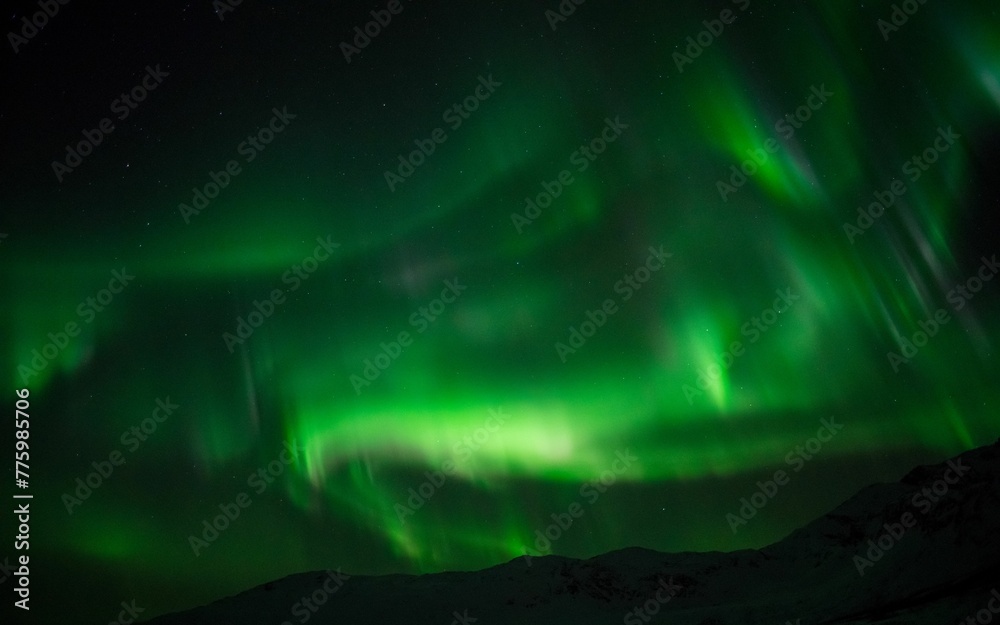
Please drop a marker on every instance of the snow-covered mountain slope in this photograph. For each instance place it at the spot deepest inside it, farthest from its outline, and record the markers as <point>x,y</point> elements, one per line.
<point>923,550</point>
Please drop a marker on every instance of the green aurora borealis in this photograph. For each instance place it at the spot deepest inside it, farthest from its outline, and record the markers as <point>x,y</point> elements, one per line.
<point>493,347</point>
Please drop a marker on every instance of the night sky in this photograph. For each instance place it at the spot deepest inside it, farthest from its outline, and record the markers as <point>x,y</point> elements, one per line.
<point>500,253</point>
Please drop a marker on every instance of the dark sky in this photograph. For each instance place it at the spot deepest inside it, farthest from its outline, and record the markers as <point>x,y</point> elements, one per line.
<point>486,259</point>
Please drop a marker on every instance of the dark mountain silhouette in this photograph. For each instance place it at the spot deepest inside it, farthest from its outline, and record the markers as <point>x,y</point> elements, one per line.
<point>925,549</point>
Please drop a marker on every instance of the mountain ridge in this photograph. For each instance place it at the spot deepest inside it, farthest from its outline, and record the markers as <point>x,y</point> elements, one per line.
<point>918,550</point>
